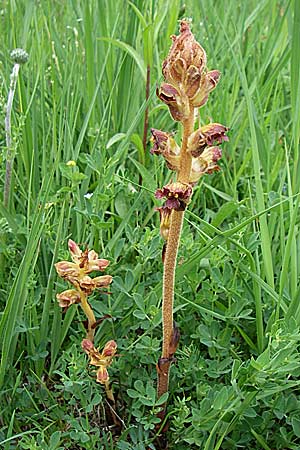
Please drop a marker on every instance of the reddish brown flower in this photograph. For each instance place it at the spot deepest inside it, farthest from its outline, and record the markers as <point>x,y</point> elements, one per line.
<point>208,82</point>
<point>177,194</point>
<point>213,133</point>
<point>101,360</point>
<point>68,298</point>
<point>178,103</point>
<point>165,145</point>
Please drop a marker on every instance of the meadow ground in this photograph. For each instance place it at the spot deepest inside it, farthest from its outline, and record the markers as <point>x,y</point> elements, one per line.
<point>81,97</point>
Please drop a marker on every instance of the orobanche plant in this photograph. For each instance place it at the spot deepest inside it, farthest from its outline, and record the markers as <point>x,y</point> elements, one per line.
<point>77,273</point>
<point>186,89</point>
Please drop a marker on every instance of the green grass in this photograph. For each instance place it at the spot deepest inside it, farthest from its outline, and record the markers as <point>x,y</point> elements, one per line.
<point>81,97</point>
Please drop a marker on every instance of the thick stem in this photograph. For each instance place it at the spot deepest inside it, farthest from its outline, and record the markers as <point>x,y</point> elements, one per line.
<point>9,154</point>
<point>170,265</point>
<point>90,316</point>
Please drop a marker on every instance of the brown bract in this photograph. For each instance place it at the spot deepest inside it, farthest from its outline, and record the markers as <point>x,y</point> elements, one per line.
<point>165,220</point>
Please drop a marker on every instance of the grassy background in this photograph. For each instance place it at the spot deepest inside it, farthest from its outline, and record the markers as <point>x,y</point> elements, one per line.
<point>81,97</point>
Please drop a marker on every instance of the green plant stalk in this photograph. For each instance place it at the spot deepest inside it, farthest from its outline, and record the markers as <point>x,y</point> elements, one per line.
<point>170,262</point>
<point>9,154</point>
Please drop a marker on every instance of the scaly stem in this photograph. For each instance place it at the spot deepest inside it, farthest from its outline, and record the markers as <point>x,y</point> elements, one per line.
<point>170,263</point>
<point>9,154</point>
<point>90,316</point>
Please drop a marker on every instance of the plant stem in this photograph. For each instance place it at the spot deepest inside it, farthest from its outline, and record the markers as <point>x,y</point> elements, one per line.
<point>90,316</point>
<point>146,118</point>
<point>9,154</point>
<point>170,263</point>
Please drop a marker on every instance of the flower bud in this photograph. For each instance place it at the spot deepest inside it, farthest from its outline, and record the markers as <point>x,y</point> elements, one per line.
<point>19,56</point>
<point>110,349</point>
<point>67,269</point>
<point>74,250</point>
<point>102,375</point>
<point>87,345</point>
<point>178,104</point>
<point>102,281</point>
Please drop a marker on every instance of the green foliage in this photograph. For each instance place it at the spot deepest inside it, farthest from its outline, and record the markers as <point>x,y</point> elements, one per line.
<point>81,98</point>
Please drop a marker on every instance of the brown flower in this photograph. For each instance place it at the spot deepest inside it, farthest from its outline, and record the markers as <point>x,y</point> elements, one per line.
<point>101,360</point>
<point>68,298</point>
<point>84,262</point>
<point>165,145</point>
<point>176,101</point>
<point>177,194</point>
<point>208,82</point>
<point>213,133</point>
<point>87,260</point>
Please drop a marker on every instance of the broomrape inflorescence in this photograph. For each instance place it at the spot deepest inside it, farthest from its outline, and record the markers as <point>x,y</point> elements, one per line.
<point>186,88</point>
<point>77,272</point>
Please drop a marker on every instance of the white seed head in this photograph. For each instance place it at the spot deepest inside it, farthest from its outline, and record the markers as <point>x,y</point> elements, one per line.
<point>19,56</point>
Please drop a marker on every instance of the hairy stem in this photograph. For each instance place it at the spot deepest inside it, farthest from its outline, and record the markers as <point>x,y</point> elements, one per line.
<point>170,264</point>
<point>90,316</point>
<point>9,154</point>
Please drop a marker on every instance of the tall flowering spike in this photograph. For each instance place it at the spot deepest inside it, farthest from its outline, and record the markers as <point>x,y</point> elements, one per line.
<point>187,85</point>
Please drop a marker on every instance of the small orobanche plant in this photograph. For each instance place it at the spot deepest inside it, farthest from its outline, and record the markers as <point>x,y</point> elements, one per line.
<point>77,274</point>
<point>186,88</point>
